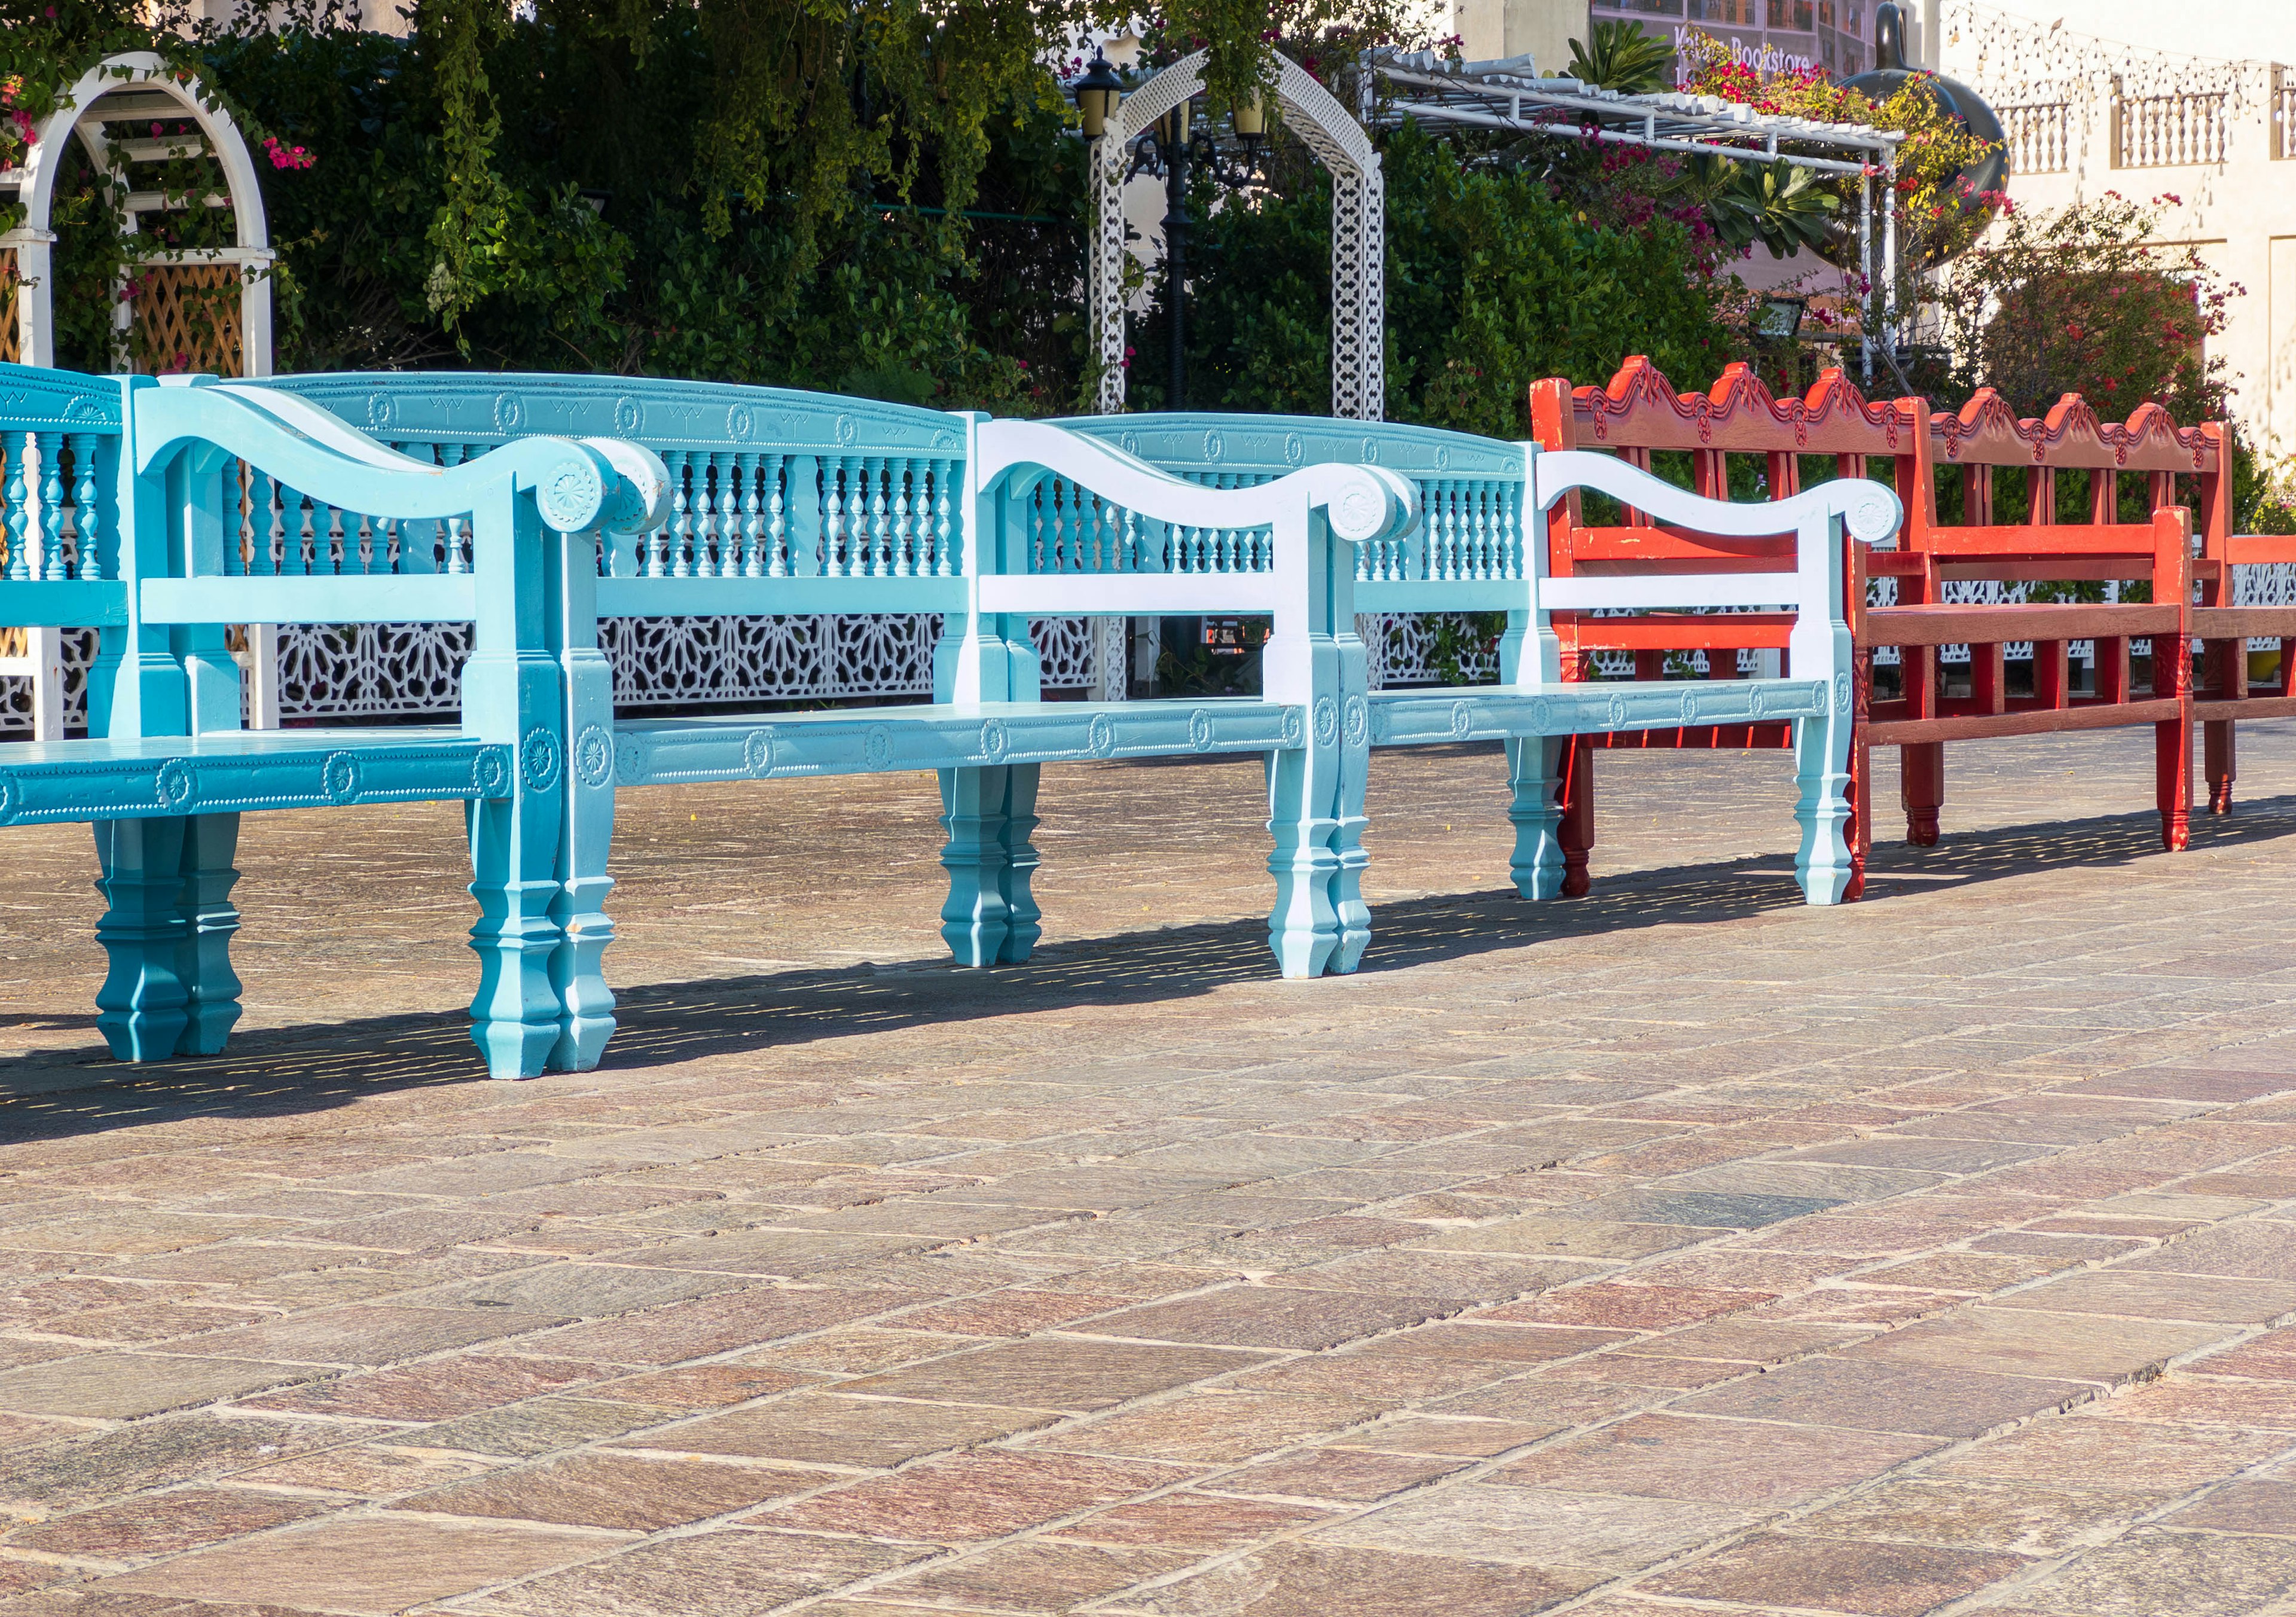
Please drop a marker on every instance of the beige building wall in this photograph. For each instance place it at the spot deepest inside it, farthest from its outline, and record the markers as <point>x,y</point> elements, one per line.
<point>2136,111</point>
<point>1492,28</point>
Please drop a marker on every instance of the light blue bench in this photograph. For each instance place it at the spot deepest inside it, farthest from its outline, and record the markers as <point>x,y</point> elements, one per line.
<point>782,503</point>
<point>268,503</point>
<point>160,513</point>
<point>1481,547</point>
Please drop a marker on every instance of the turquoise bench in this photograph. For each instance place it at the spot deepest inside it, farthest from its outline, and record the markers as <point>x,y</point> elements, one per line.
<point>1481,547</point>
<point>158,514</point>
<point>783,502</point>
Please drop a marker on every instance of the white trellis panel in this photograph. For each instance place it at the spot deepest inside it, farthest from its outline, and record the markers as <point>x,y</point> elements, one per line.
<point>1358,230</point>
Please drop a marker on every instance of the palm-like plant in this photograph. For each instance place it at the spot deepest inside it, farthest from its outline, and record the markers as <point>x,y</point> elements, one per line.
<point>1783,207</point>
<point>1623,58</point>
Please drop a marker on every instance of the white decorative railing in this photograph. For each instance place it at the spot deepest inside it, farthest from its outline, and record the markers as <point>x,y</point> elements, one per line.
<point>2170,131</point>
<point>2283,118</point>
<point>2040,137</point>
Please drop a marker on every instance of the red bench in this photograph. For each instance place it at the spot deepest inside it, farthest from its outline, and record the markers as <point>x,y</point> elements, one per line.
<point>1639,414</point>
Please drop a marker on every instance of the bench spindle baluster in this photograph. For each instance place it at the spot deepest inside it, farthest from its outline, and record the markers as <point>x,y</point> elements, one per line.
<point>753,516</point>
<point>730,530</point>
<point>945,558</point>
<point>681,504</point>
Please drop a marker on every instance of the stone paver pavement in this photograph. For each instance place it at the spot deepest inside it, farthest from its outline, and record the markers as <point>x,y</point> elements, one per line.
<point>1680,1250</point>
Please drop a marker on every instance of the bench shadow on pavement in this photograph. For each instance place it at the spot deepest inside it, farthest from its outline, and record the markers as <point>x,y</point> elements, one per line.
<point>281,1071</point>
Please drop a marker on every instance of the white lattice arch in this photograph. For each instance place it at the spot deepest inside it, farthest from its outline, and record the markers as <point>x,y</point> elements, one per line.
<point>1358,229</point>
<point>137,84</point>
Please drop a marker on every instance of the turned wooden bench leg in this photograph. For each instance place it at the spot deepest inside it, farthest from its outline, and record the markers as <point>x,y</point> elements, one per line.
<point>2173,774</point>
<point>1534,766</point>
<point>211,844</point>
<point>1825,864</point>
<point>1576,829</point>
<point>515,1015</point>
<point>2222,762</point>
<point>1021,915</point>
<point>579,910</point>
<point>990,915</point>
<point>166,930</point>
<point>1319,922</point>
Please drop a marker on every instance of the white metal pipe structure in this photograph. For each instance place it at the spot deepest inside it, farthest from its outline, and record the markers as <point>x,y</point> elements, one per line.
<point>140,87</point>
<point>1507,94</point>
<point>1865,272</point>
<point>1358,230</point>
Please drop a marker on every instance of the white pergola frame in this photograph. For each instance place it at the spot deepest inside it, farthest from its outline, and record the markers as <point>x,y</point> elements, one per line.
<point>1358,230</point>
<point>137,85</point>
<point>1507,94</point>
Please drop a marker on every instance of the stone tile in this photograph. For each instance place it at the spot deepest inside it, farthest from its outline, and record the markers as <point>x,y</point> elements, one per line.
<point>59,1477</point>
<point>1977,1272</point>
<point>625,1490</point>
<point>372,1470</point>
<point>1460,1436</point>
<point>2191,1401</point>
<point>730,1572</point>
<point>2029,1518</point>
<point>1475,1341</point>
<point>2270,1356</point>
<point>833,1431</point>
<point>1009,1313</point>
<point>1838,1574</point>
<point>2148,1296</point>
<point>1914,1151</point>
<point>148,1322</point>
<point>2085,1451</point>
<point>1627,1307</point>
<point>1703,1208</point>
<point>538,1426</point>
<point>1868,1397</point>
<point>1722,1462</point>
<point>139,1232</point>
<point>1201,1521</point>
<point>438,1390</point>
<point>703,1386</point>
<point>722,1324</point>
<point>164,1523</point>
<point>1474,1278</point>
<point>579,1291</point>
<point>970,1497</point>
<point>363,1565</point>
<point>1754,1342</point>
<point>2152,1570</point>
<point>1539,1526</point>
<point>1270,1317</point>
<point>1209,1423</point>
<point>120,1386</point>
<point>1318,1580</point>
<point>2253,1250</point>
<point>372,1335</point>
<point>1572,1238</point>
<point>2029,1343</point>
<point>1337,1473</point>
<point>1036,1575</point>
<point>2247,1507</point>
<point>1057,1372</point>
<point>858,1351</point>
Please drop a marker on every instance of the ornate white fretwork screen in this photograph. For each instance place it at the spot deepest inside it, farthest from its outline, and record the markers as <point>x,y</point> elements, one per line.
<point>1358,230</point>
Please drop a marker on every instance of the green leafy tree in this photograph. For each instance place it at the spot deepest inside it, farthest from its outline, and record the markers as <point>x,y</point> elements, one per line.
<point>1623,58</point>
<point>1492,282</point>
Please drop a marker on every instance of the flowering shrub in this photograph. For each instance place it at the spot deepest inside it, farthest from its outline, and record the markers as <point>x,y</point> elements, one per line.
<point>284,156</point>
<point>2076,301</point>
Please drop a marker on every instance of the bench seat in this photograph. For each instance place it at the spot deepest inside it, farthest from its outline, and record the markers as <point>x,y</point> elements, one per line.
<point>1500,712</point>
<point>52,782</point>
<point>859,740</point>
